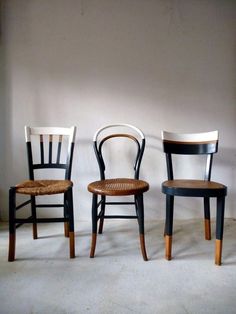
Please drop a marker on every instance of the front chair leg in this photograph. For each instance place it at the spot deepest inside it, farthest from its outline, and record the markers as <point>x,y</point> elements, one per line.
<point>207,217</point>
<point>12,226</point>
<point>71,223</point>
<point>140,214</point>
<point>94,225</point>
<point>34,215</point>
<point>219,229</point>
<point>169,225</point>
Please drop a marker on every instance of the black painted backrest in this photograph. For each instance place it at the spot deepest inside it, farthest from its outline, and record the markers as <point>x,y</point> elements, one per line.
<point>99,144</point>
<point>49,138</point>
<point>190,144</point>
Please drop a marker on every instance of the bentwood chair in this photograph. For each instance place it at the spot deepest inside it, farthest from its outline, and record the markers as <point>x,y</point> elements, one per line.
<point>118,186</point>
<point>58,145</point>
<point>193,144</point>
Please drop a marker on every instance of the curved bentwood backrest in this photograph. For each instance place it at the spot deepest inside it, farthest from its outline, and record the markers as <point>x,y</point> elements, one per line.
<point>50,136</point>
<point>190,144</point>
<point>139,142</point>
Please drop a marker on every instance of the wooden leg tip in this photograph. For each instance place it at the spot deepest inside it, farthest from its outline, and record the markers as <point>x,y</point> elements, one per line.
<point>207,229</point>
<point>93,245</point>
<point>72,244</point>
<point>218,252</point>
<point>168,244</point>
<point>143,247</point>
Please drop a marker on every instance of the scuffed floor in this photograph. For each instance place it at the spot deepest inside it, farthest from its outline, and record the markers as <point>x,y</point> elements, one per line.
<point>44,280</point>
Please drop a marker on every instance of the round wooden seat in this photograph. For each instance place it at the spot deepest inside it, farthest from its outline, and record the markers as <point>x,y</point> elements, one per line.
<point>198,188</point>
<point>43,187</point>
<point>118,187</point>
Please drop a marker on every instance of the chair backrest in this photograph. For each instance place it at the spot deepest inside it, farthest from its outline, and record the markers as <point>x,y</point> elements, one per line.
<point>98,144</point>
<point>190,144</point>
<point>50,140</point>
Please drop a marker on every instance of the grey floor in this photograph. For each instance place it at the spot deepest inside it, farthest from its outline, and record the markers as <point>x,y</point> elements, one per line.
<point>117,280</point>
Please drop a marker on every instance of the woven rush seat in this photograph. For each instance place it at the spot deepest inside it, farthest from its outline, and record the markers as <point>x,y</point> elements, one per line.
<point>118,186</point>
<point>43,187</point>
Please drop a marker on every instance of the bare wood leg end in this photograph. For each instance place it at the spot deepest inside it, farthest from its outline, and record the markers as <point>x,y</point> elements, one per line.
<point>168,244</point>
<point>72,244</point>
<point>93,245</point>
<point>66,229</point>
<point>218,252</point>
<point>207,229</point>
<point>12,245</point>
<point>143,247</point>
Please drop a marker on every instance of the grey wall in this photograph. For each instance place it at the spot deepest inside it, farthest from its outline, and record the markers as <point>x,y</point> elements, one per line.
<point>156,64</point>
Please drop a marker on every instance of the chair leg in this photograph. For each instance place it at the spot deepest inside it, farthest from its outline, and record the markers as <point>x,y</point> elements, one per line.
<point>219,229</point>
<point>103,205</point>
<point>66,223</point>
<point>169,225</point>
<point>140,214</point>
<point>12,226</point>
<point>207,219</point>
<point>71,223</point>
<point>33,212</point>
<point>94,225</point>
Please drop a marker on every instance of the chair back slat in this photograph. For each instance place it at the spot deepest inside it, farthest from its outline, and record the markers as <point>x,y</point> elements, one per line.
<point>50,149</point>
<point>41,149</point>
<point>59,149</point>
<point>50,135</point>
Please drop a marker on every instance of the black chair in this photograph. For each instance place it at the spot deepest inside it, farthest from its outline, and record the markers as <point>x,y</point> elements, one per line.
<point>193,144</point>
<point>41,136</point>
<point>118,187</point>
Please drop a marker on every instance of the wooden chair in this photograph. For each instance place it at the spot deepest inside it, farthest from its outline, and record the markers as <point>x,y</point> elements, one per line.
<point>118,186</point>
<point>41,136</point>
<point>193,144</point>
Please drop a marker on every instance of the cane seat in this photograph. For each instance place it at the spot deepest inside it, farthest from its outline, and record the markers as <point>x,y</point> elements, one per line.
<point>118,187</point>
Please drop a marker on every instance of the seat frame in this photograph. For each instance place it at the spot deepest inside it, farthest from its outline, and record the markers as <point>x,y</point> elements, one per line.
<point>193,144</point>
<point>138,198</point>
<point>67,205</point>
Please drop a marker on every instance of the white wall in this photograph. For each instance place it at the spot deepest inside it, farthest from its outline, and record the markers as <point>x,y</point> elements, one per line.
<point>156,64</point>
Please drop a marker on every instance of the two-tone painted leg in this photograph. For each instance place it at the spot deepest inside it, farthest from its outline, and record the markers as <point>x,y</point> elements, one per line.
<point>219,229</point>
<point>140,213</point>
<point>12,226</point>
<point>94,225</point>
<point>207,220</point>
<point>169,226</point>
<point>71,223</point>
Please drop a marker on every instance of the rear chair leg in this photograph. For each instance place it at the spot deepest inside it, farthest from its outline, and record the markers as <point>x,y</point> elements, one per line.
<point>66,223</point>
<point>33,211</point>
<point>103,213</point>
<point>66,229</point>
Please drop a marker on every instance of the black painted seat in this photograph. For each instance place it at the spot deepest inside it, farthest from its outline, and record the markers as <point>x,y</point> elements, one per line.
<point>105,188</point>
<point>193,144</point>
<point>58,143</point>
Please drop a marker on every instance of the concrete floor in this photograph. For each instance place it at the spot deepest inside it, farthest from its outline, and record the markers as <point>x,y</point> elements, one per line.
<point>117,280</point>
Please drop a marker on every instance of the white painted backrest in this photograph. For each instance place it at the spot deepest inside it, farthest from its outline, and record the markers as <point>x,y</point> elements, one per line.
<point>71,132</point>
<point>190,137</point>
<point>118,125</point>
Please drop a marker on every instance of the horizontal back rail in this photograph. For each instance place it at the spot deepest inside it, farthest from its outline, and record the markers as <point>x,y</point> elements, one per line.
<point>190,144</point>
